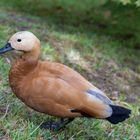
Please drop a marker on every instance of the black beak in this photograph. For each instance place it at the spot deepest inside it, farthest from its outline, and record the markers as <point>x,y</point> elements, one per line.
<point>6,48</point>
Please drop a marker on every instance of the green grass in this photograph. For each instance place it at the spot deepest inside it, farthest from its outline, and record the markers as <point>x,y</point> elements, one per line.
<point>108,61</point>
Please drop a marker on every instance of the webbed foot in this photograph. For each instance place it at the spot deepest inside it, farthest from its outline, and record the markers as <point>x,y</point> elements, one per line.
<point>55,126</point>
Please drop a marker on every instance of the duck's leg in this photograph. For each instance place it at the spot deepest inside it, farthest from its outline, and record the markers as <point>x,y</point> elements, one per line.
<point>56,125</point>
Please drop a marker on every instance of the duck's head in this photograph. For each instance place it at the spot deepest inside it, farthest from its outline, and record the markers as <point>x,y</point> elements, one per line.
<point>24,41</point>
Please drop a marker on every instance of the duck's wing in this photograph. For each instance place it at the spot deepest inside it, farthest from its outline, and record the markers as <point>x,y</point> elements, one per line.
<point>63,87</point>
<point>72,77</point>
<point>56,97</point>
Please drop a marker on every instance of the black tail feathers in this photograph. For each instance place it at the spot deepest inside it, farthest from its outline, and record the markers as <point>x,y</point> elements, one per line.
<point>119,114</point>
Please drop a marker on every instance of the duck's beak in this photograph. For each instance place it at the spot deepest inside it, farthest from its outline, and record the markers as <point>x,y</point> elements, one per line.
<point>6,48</point>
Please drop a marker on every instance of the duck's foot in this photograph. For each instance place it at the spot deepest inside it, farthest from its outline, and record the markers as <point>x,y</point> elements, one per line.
<point>56,125</point>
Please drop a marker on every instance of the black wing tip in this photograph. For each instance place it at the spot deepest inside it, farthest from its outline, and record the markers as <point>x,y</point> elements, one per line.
<point>119,114</point>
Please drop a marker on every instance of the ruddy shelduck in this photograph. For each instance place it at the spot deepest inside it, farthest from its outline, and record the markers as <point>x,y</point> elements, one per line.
<point>54,88</point>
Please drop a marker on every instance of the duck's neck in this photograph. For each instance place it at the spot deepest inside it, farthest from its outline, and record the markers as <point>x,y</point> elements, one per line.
<point>31,57</point>
<point>22,67</point>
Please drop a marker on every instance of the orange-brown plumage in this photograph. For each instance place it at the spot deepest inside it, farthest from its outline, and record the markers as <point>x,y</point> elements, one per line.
<point>53,88</point>
<point>51,84</point>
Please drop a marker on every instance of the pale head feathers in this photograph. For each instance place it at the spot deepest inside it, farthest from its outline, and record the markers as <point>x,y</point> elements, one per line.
<point>24,41</point>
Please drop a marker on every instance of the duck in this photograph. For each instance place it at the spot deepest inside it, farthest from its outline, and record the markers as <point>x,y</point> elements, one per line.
<point>55,89</point>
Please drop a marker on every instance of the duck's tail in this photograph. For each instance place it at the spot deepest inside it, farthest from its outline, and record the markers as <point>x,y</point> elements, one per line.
<point>119,114</point>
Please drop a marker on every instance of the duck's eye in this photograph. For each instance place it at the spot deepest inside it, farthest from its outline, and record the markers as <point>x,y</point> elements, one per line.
<point>18,40</point>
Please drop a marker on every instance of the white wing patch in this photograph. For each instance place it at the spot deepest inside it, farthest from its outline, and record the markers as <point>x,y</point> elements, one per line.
<point>92,98</point>
<point>96,94</point>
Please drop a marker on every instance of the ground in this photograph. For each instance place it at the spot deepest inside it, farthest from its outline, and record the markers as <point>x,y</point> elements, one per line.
<point>102,54</point>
